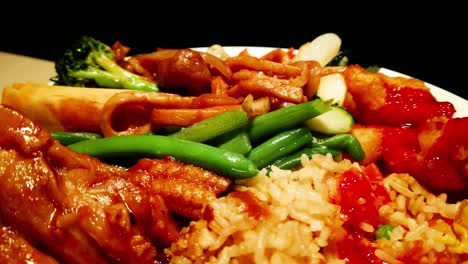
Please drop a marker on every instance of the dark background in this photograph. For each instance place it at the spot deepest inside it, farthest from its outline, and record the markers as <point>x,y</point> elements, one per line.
<point>425,42</point>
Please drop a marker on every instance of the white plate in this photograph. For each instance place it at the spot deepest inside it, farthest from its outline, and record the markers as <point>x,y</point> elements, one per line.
<point>19,68</point>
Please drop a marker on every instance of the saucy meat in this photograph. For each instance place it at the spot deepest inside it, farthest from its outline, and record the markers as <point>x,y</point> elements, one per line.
<point>15,249</point>
<point>85,211</point>
<point>182,70</point>
<point>78,209</point>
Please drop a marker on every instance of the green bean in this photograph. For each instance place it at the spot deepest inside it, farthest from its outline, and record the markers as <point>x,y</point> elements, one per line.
<point>67,138</point>
<point>213,126</point>
<point>167,130</point>
<point>285,118</point>
<point>239,143</point>
<point>347,142</point>
<point>226,163</point>
<point>384,231</point>
<point>279,145</point>
<point>294,160</point>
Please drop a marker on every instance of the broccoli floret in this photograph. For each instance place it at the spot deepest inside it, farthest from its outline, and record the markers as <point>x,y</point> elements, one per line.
<point>91,63</point>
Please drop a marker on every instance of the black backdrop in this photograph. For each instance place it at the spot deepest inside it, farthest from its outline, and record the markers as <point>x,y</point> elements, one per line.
<point>427,43</point>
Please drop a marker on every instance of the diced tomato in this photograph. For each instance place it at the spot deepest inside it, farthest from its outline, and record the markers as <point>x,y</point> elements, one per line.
<point>360,199</point>
<point>361,196</point>
<point>373,172</point>
<point>357,252</point>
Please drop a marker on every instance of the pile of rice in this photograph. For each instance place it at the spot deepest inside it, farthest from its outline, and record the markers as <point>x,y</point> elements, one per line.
<point>301,224</point>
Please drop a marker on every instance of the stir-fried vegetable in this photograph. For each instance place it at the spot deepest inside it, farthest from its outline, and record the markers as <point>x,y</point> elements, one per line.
<point>285,118</point>
<point>322,49</point>
<point>213,126</point>
<point>280,145</point>
<point>224,162</point>
<point>336,121</point>
<point>280,137</point>
<point>293,160</point>
<point>332,87</point>
<point>261,140</point>
<point>67,138</point>
<point>91,63</point>
<point>238,142</point>
<point>346,142</point>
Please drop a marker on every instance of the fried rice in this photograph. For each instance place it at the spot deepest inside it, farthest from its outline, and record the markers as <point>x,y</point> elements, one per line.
<point>283,216</point>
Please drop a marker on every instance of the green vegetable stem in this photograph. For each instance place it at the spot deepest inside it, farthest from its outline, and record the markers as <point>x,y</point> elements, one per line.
<point>279,145</point>
<point>238,142</point>
<point>271,123</point>
<point>67,138</point>
<point>224,162</point>
<point>346,142</point>
<point>294,160</point>
<point>91,63</point>
<point>214,126</point>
